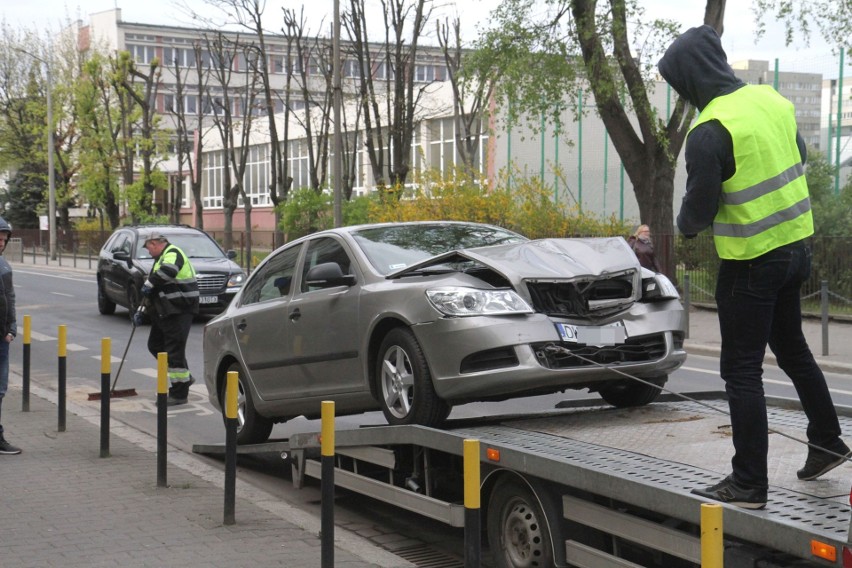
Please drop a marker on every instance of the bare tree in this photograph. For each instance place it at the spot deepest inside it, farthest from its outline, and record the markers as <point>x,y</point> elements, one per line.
<point>189,125</point>
<point>470,95</point>
<point>387,85</point>
<point>225,100</point>
<point>313,85</point>
<point>141,90</point>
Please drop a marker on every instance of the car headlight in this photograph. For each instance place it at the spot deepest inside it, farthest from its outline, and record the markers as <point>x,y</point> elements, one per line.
<point>658,287</point>
<point>458,301</point>
<point>236,280</point>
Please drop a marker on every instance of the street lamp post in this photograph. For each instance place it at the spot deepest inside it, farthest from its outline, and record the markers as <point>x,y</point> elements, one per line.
<point>51,174</point>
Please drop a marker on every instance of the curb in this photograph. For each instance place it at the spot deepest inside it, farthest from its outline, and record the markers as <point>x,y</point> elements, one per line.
<point>824,364</point>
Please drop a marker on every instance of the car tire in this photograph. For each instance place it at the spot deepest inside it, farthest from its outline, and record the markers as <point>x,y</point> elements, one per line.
<point>405,383</point>
<point>105,305</point>
<point>633,393</point>
<point>517,529</point>
<point>252,428</point>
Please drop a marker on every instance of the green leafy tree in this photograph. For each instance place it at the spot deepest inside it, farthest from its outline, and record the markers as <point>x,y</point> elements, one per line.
<point>23,197</point>
<point>545,49</point>
<point>99,120</point>
<point>832,19</point>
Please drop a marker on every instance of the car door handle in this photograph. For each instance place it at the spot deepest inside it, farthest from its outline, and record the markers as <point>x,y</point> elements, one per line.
<point>242,325</point>
<point>295,314</point>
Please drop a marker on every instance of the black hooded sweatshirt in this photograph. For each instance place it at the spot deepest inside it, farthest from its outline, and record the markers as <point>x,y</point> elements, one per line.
<point>696,67</point>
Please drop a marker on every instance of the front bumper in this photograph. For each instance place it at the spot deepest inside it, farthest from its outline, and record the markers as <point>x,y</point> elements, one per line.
<point>513,356</point>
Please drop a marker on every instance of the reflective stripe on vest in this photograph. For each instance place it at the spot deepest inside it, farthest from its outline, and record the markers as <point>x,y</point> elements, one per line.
<point>765,204</point>
<point>184,284</point>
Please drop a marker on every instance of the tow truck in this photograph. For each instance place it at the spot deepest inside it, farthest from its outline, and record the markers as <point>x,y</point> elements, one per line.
<point>592,486</point>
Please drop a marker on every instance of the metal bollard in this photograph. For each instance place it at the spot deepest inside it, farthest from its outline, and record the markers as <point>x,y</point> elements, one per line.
<point>231,392</point>
<point>25,386</point>
<point>162,416</point>
<point>327,485</point>
<point>62,352</point>
<point>823,296</point>
<point>472,518</point>
<point>106,359</point>
<point>712,537</point>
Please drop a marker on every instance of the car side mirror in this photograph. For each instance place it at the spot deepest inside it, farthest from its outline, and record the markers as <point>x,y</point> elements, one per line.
<point>328,275</point>
<point>121,255</point>
<point>231,254</point>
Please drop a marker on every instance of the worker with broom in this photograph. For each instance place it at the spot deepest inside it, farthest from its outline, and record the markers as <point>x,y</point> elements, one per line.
<point>171,298</point>
<point>8,326</point>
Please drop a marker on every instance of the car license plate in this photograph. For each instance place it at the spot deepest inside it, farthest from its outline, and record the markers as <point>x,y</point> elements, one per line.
<point>209,299</point>
<point>612,334</point>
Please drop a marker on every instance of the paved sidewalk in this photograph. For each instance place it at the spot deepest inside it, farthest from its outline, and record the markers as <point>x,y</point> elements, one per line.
<point>704,340</point>
<point>65,506</point>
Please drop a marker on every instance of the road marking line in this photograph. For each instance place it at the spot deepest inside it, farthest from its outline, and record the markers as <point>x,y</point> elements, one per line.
<point>41,337</point>
<point>75,347</point>
<point>61,294</point>
<point>112,358</point>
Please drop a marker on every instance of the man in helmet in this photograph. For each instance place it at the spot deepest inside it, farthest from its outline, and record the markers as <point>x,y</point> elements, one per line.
<point>8,327</point>
<point>171,290</point>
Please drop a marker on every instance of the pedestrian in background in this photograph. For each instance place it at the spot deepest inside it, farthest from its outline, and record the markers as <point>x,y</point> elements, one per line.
<point>643,247</point>
<point>745,177</point>
<point>172,298</point>
<point>8,327</point>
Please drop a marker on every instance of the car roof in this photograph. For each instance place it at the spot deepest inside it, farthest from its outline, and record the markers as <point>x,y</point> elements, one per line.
<point>149,229</point>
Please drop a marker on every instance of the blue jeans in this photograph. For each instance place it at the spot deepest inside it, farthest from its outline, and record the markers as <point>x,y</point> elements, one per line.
<point>4,374</point>
<point>759,304</point>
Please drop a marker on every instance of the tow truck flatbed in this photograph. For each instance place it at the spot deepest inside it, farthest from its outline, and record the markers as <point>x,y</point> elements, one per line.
<point>625,473</point>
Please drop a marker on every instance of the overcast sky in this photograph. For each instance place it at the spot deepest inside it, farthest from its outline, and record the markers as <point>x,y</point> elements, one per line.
<point>738,38</point>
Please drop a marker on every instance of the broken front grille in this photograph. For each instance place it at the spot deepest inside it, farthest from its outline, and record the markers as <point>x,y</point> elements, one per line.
<point>567,355</point>
<point>584,298</point>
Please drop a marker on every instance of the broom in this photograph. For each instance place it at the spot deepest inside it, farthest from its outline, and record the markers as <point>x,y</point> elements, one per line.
<point>123,392</point>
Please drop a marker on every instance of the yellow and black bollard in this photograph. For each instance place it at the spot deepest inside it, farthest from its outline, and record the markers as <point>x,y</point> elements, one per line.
<point>472,519</point>
<point>63,353</point>
<point>327,484</point>
<point>25,387</point>
<point>162,417</point>
<point>231,391</point>
<point>712,537</point>
<point>106,360</point>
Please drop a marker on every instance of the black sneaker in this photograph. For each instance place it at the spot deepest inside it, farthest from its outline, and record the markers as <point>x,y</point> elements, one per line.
<point>820,463</point>
<point>733,493</point>
<point>179,392</point>
<point>8,449</point>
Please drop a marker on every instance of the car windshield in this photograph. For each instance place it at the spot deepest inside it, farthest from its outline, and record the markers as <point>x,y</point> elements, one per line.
<point>393,247</point>
<point>193,245</point>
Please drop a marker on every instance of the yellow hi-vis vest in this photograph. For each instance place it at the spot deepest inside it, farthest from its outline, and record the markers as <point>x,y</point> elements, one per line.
<point>765,204</point>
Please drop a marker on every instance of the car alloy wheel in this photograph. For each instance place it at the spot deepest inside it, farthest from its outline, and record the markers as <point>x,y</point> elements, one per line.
<point>407,393</point>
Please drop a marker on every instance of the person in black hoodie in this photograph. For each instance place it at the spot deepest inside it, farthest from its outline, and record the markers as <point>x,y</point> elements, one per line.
<point>8,326</point>
<point>745,178</point>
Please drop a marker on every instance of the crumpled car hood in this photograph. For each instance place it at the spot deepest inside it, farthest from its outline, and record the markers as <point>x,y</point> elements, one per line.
<point>544,259</point>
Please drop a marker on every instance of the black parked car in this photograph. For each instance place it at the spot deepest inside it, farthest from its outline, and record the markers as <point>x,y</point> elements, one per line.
<point>124,264</point>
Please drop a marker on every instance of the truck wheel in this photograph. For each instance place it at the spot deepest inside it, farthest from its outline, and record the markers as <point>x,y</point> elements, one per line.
<point>633,393</point>
<point>105,306</point>
<point>405,383</point>
<point>518,535</point>
<point>252,428</point>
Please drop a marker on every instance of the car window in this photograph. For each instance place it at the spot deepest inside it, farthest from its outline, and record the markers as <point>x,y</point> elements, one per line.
<point>121,244</point>
<point>274,279</point>
<point>193,245</point>
<point>393,247</point>
<point>325,250</point>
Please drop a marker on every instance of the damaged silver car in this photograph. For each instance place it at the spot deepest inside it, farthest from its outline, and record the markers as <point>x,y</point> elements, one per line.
<point>414,318</point>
